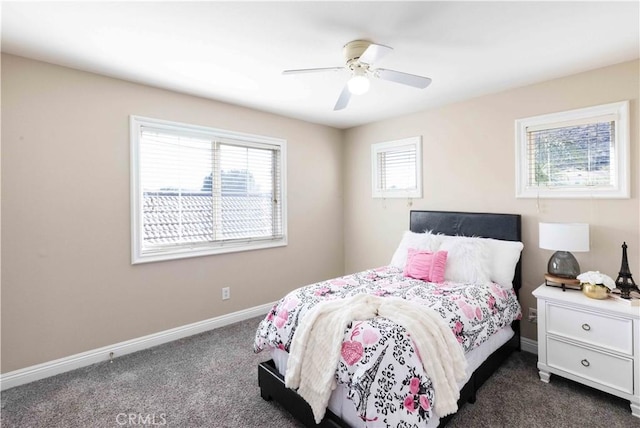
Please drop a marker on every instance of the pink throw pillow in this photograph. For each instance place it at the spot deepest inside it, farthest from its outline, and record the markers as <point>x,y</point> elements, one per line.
<point>425,265</point>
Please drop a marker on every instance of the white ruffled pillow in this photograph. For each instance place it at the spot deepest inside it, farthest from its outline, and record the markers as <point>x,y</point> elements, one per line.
<point>420,241</point>
<point>467,260</point>
<point>498,259</point>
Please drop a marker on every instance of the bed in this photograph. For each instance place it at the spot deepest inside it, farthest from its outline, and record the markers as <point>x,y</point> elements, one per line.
<point>483,359</point>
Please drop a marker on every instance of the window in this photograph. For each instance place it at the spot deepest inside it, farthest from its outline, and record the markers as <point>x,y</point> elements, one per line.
<point>197,191</point>
<point>580,153</point>
<point>397,168</point>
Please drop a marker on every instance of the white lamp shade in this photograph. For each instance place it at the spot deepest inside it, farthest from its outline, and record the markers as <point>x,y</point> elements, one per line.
<point>564,236</point>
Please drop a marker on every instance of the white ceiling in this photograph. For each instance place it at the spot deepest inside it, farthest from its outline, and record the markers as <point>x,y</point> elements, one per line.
<point>235,51</point>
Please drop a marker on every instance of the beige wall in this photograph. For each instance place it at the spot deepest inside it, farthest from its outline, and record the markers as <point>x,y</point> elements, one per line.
<point>468,162</point>
<point>67,282</point>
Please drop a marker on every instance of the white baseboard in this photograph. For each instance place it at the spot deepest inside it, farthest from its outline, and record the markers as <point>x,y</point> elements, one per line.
<point>72,362</point>
<point>528,345</point>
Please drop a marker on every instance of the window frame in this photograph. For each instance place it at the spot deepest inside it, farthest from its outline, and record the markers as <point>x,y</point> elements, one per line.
<point>187,250</point>
<point>389,146</point>
<point>619,160</point>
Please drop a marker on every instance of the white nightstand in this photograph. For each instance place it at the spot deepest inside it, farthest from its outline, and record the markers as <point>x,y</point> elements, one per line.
<point>594,342</point>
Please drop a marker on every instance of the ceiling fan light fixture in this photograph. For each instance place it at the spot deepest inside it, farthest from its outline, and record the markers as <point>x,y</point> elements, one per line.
<point>360,55</point>
<point>358,84</point>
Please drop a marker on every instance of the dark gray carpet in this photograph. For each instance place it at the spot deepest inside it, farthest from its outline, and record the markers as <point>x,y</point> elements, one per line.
<point>210,380</point>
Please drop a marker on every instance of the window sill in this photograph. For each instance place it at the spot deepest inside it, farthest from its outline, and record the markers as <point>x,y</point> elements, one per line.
<point>184,253</point>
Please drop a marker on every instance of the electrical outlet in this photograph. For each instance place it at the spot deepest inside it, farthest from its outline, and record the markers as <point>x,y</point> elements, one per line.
<point>226,293</point>
<point>533,315</point>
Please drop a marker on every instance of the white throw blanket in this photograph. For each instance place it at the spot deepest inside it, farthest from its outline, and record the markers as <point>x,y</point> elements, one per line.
<point>315,350</point>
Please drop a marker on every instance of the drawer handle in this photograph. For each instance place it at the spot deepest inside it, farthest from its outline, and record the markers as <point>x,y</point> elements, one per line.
<point>586,327</point>
<point>585,362</point>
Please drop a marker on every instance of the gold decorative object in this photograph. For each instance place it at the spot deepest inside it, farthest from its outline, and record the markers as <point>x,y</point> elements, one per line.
<point>595,291</point>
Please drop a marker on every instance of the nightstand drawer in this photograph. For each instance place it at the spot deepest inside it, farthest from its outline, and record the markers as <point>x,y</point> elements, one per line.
<point>605,369</point>
<point>615,334</point>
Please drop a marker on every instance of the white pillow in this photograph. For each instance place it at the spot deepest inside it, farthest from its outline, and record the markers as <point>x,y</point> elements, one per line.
<point>467,260</point>
<point>419,241</point>
<point>503,260</point>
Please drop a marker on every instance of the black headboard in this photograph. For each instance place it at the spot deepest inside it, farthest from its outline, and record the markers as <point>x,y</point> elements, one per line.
<point>486,225</point>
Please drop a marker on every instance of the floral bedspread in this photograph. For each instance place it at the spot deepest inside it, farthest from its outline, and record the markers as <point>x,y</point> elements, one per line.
<point>379,366</point>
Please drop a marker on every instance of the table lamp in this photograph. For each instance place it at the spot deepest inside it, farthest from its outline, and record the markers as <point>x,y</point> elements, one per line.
<point>564,238</point>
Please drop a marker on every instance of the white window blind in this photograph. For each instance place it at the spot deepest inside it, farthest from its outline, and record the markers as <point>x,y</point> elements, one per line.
<point>572,156</point>
<point>396,168</point>
<point>579,153</point>
<point>201,191</point>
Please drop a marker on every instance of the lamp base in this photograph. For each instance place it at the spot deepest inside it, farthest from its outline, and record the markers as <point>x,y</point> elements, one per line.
<point>564,265</point>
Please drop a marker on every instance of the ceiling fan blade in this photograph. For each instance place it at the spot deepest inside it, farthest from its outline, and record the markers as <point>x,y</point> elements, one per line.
<point>312,70</point>
<point>374,52</point>
<point>343,99</point>
<point>403,78</point>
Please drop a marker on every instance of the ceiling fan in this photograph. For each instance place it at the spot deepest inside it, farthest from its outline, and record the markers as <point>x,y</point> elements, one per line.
<point>360,56</point>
